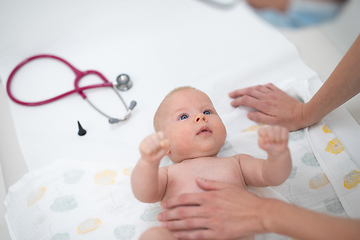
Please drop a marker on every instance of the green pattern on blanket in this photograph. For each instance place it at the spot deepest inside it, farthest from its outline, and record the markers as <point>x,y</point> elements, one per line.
<point>73,176</point>
<point>62,204</point>
<point>59,236</point>
<point>125,232</point>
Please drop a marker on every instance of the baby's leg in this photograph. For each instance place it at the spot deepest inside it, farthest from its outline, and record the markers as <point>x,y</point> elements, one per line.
<point>157,233</point>
<point>160,233</point>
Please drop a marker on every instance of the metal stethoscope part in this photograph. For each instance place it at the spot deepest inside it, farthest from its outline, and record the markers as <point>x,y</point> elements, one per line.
<point>122,83</point>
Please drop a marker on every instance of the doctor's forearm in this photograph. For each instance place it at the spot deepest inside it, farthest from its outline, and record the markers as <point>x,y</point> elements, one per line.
<point>299,223</point>
<point>342,85</point>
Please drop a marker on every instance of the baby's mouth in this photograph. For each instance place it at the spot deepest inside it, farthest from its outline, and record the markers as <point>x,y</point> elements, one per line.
<point>204,130</point>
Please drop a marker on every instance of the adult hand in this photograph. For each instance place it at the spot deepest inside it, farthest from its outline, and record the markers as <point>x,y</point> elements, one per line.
<point>224,211</point>
<point>275,107</point>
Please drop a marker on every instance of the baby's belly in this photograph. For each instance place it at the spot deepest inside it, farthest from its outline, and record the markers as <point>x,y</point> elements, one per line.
<point>182,177</point>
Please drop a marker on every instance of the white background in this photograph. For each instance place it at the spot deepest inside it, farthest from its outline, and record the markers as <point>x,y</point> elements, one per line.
<point>321,48</point>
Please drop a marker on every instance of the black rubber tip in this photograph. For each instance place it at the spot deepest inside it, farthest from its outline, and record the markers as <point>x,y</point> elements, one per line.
<point>82,131</point>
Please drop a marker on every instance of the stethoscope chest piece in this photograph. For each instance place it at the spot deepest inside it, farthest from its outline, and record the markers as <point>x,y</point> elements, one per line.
<point>123,82</point>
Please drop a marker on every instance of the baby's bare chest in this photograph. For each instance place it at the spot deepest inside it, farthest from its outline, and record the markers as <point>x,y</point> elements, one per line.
<point>182,176</point>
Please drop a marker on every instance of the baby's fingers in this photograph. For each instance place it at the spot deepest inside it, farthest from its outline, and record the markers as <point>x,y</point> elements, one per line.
<point>284,134</point>
<point>164,143</point>
<point>281,133</point>
<point>153,144</point>
<point>274,134</point>
<point>265,134</point>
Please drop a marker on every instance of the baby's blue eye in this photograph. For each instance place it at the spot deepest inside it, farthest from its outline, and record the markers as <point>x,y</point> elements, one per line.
<point>184,116</point>
<point>206,112</point>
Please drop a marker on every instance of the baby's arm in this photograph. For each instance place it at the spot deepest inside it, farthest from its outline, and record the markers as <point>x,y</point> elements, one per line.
<point>277,167</point>
<point>148,181</point>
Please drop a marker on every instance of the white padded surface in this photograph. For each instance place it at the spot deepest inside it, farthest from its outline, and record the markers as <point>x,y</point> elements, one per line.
<point>160,44</point>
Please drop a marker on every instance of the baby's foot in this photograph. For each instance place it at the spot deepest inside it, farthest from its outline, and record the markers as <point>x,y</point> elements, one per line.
<point>273,139</point>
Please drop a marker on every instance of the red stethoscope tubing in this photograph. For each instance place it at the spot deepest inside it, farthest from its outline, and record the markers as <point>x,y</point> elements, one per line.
<point>79,74</point>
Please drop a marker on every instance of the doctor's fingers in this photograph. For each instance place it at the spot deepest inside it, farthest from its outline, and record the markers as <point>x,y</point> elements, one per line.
<point>260,117</point>
<point>187,200</point>
<point>169,217</point>
<point>186,224</point>
<point>197,234</point>
<point>264,104</point>
<point>255,91</point>
<point>201,228</point>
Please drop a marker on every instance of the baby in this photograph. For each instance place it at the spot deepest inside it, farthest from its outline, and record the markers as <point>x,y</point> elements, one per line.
<point>189,130</point>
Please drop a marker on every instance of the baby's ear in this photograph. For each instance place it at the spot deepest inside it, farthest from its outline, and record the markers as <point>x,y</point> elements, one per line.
<point>167,152</point>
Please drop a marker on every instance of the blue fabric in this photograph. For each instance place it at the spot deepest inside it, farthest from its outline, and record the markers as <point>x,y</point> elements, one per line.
<point>301,13</point>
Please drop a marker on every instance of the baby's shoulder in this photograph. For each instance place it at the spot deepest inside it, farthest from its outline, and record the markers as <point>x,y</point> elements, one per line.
<point>230,159</point>
<point>241,156</point>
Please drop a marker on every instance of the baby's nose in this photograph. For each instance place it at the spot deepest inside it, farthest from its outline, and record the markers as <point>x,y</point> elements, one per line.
<point>200,117</point>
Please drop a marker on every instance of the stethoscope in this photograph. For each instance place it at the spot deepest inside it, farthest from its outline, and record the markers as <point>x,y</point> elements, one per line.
<point>122,83</point>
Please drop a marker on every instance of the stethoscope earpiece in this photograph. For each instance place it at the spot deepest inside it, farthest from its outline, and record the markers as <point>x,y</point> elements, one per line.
<point>116,120</point>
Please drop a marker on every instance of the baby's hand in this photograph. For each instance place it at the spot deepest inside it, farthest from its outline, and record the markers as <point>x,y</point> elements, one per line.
<point>273,139</point>
<point>154,147</point>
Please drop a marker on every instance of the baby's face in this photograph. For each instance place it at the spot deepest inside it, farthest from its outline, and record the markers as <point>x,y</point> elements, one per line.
<point>192,126</point>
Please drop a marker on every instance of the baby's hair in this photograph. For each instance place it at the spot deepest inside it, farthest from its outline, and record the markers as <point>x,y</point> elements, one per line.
<point>178,89</point>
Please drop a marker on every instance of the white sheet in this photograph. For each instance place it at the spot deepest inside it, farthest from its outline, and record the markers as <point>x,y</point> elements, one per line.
<point>77,200</point>
<point>161,44</point>
<point>93,199</point>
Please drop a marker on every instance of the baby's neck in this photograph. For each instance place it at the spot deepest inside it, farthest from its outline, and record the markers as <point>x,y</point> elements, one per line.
<point>197,158</point>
